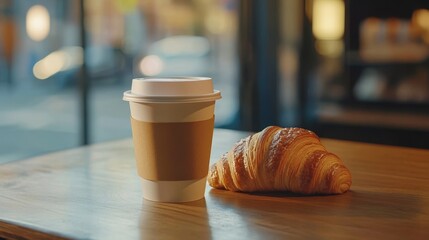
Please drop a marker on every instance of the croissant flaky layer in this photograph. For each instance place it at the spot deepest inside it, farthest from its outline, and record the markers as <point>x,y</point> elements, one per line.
<point>280,159</point>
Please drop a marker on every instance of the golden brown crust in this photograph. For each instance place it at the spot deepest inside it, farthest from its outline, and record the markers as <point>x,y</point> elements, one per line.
<point>280,159</point>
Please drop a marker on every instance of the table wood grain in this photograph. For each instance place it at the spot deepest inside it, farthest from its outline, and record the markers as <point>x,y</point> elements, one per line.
<point>94,193</point>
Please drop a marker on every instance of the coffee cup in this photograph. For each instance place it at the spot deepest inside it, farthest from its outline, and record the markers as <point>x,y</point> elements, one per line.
<point>172,122</point>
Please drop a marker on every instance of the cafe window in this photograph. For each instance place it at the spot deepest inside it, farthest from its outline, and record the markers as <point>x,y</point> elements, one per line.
<point>41,56</point>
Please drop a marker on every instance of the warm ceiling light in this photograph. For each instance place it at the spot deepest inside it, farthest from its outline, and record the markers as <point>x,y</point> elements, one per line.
<point>38,22</point>
<point>421,17</point>
<point>328,19</point>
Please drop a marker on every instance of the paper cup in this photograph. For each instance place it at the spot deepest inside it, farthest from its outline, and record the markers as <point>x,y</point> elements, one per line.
<point>172,122</point>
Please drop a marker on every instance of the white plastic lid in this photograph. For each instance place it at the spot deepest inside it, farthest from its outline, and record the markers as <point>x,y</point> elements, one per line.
<point>173,89</point>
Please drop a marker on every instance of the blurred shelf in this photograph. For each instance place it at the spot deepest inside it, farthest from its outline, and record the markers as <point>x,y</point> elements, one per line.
<point>373,118</point>
<point>355,60</point>
<point>407,107</point>
<point>374,126</point>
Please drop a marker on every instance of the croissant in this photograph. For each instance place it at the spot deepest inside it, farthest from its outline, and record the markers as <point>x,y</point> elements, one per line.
<point>280,159</point>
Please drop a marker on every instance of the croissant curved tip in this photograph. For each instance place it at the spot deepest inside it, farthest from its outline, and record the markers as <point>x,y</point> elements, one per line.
<point>344,187</point>
<point>345,182</point>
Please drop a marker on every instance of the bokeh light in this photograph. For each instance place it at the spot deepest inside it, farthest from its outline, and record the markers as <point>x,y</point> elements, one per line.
<point>151,65</point>
<point>38,22</point>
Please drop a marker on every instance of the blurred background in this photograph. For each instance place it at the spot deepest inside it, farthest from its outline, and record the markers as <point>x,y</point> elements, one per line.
<point>347,69</point>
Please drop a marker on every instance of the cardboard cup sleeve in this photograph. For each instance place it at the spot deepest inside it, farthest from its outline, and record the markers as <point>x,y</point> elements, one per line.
<point>172,151</point>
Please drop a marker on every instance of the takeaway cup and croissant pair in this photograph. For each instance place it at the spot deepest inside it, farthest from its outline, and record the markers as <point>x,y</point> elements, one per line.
<point>172,122</point>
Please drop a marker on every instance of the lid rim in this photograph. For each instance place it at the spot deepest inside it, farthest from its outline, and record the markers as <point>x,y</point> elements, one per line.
<point>129,96</point>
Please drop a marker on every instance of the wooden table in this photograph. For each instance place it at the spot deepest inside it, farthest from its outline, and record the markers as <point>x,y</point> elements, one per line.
<point>94,193</point>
